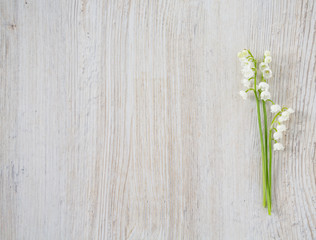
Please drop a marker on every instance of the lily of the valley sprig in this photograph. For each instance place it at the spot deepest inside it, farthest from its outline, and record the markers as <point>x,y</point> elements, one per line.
<point>273,131</point>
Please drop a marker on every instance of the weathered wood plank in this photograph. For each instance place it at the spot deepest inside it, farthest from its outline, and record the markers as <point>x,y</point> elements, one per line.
<point>122,120</point>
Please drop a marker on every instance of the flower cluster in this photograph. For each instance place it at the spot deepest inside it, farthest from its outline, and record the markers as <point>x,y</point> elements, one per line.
<point>266,74</point>
<point>283,115</point>
<point>274,131</point>
<point>249,72</point>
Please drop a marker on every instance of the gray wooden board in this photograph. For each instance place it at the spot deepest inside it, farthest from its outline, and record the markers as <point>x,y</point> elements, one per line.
<point>122,120</point>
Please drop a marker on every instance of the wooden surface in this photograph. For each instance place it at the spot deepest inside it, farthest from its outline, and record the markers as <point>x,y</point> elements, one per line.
<point>122,120</point>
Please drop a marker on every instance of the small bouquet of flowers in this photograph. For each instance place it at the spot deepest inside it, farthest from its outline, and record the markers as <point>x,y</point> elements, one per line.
<point>257,83</point>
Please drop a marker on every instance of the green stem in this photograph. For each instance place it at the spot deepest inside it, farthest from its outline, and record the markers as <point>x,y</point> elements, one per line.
<point>266,155</point>
<point>266,191</point>
<point>265,128</point>
<point>274,118</point>
<point>262,151</point>
<point>264,184</point>
<point>270,159</point>
<point>269,100</point>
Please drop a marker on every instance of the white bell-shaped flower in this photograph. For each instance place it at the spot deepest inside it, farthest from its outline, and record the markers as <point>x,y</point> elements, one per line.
<point>267,59</point>
<point>265,95</point>
<point>277,135</point>
<point>275,108</point>
<point>267,73</point>
<point>263,66</point>
<point>243,94</point>
<point>267,53</point>
<point>278,147</point>
<point>247,72</point>
<point>263,86</point>
<point>290,110</point>
<point>246,82</point>
<point>281,128</point>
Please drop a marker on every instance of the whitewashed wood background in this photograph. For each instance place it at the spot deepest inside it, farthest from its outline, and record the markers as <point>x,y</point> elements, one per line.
<point>122,119</point>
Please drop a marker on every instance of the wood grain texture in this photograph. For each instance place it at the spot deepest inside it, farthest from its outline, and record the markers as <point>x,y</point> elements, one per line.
<point>122,120</point>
